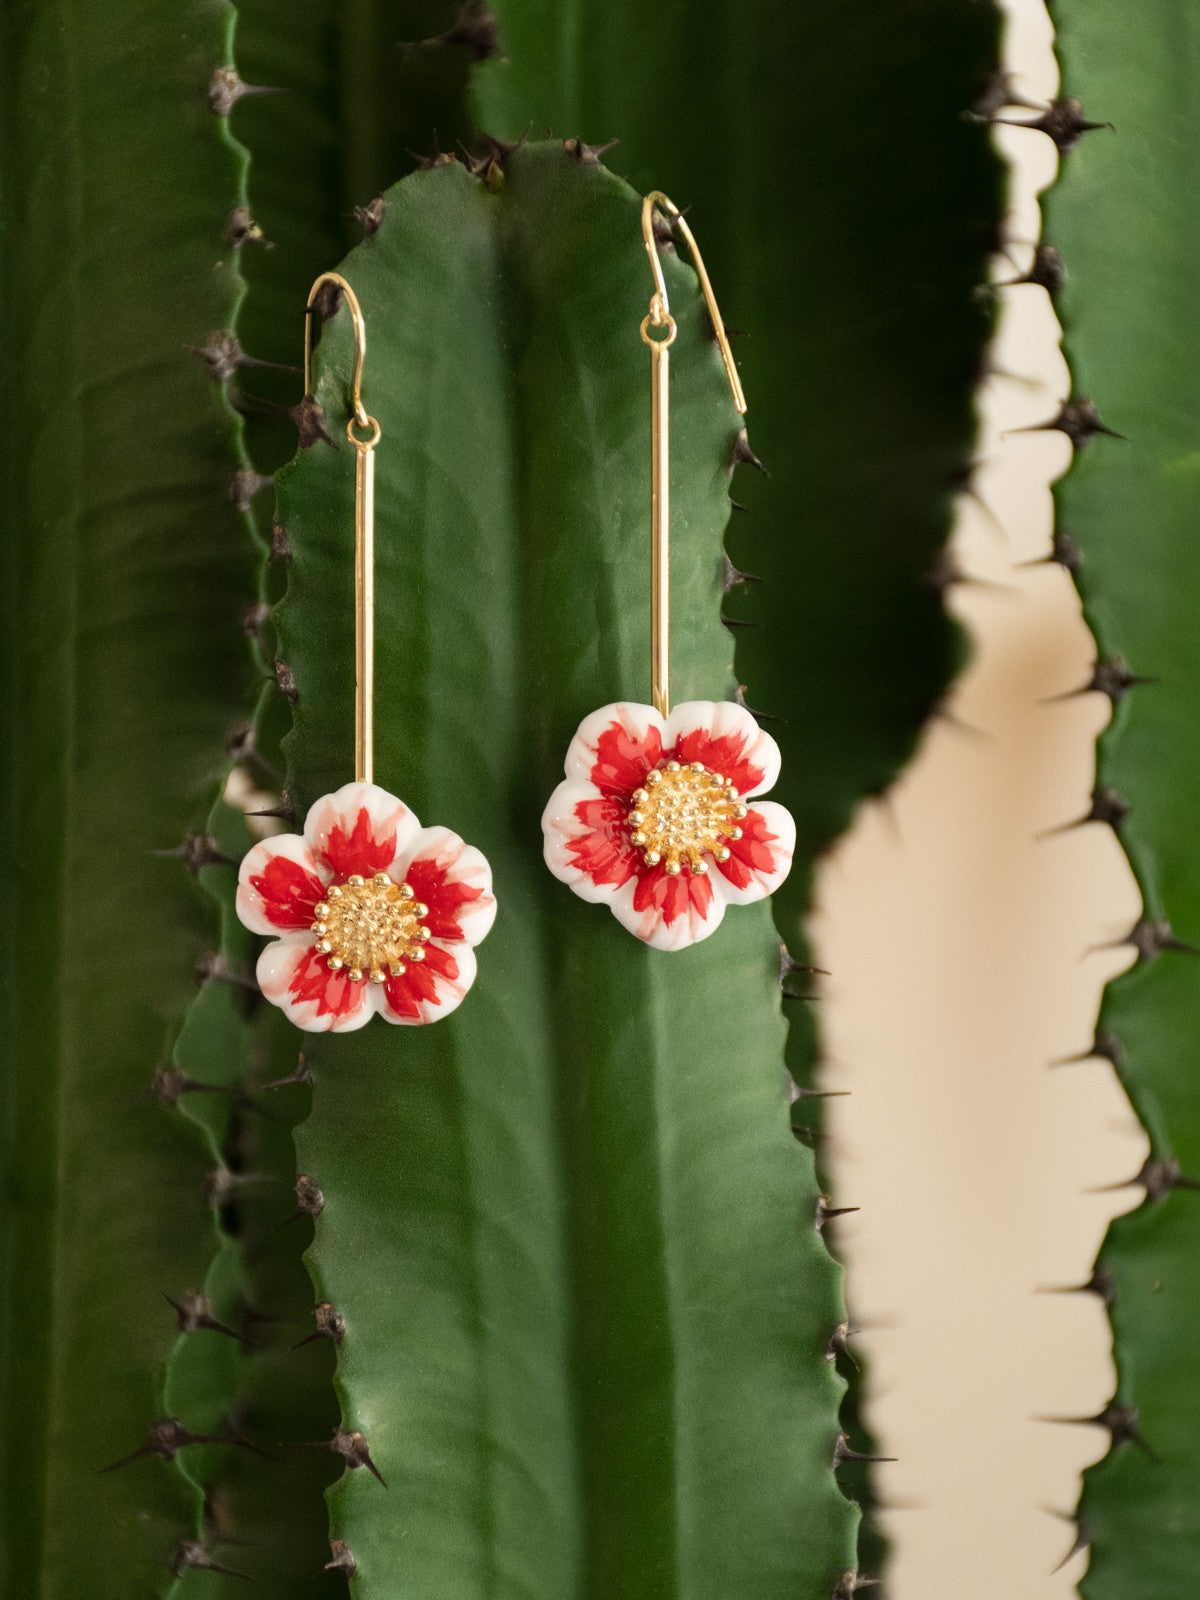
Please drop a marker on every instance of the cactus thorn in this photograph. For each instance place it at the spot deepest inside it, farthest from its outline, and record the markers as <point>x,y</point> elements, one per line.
<point>1111,676</point>
<point>1108,806</point>
<point>223,356</point>
<point>309,417</point>
<point>850,1583</point>
<point>946,572</point>
<point>731,576</point>
<point>1046,271</point>
<point>739,695</point>
<point>191,1553</point>
<point>1150,936</point>
<point>1105,1046</point>
<point>353,1446</point>
<point>221,1184</point>
<point>589,155</point>
<point>247,483</point>
<point>1101,1283</point>
<point>1120,1421</point>
<point>475,27</point>
<point>299,1074</point>
<point>1063,552</point>
<point>800,1092</point>
<point>743,455</point>
<point>739,622</point>
<point>169,1436</point>
<point>281,549</point>
<point>370,216</point>
<point>194,1311</point>
<point>170,1084</point>
<point>331,1325</point>
<point>285,680</point>
<point>226,88</point>
<point>242,229</point>
<point>255,619</point>
<point>195,850</point>
<point>342,1558</point>
<point>827,1213</point>
<point>310,1200</point>
<point>788,964</point>
<point>839,1345</point>
<point>285,811</point>
<point>736,505</point>
<point>1063,121</point>
<point>1159,1176</point>
<point>1079,418</point>
<point>1082,1541</point>
<point>842,1452</point>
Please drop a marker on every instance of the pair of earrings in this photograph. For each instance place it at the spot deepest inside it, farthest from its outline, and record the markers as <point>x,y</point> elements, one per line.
<point>658,815</point>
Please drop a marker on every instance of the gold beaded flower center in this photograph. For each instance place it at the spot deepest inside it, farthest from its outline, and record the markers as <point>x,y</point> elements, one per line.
<point>370,927</point>
<point>684,815</point>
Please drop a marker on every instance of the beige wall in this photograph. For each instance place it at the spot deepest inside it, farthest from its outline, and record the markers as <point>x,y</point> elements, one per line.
<point>958,944</point>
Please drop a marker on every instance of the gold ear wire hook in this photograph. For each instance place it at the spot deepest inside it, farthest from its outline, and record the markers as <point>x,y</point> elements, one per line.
<point>660,305</point>
<point>360,342</point>
<point>364,526</point>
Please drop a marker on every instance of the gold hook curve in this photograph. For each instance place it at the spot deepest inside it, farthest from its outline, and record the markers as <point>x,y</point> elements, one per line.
<point>360,343</point>
<point>660,306</point>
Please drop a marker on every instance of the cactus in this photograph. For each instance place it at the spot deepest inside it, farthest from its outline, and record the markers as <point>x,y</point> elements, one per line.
<point>128,568</point>
<point>1128,506</point>
<point>568,1254</point>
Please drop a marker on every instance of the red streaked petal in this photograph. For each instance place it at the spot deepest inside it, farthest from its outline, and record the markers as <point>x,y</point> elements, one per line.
<point>761,859</point>
<point>360,828</point>
<point>429,989</point>
<point>615,747</point>
<point>454,880</point>
<point>279,884</point>
<point>725,738</point>
<point>586,844</point>
<point>669,912</point>
<point>601,848</point>
<point>295,978</point>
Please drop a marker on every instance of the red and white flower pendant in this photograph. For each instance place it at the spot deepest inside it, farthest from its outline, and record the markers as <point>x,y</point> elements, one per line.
<point>655,817</point>
<point>372,913</point>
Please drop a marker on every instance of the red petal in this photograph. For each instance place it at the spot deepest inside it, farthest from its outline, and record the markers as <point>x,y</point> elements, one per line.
<point>726,755</point>
<point>444,894</point>
<point>419,981</point>
<point>671,895</point>
<point>622,761</point>
<point>360,851</point>
<point>604,852</point>
<point>333,992</point>
<point>752,851</point>
<point>289,893</point>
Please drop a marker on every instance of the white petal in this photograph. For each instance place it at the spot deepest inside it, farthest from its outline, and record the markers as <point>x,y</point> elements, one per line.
<point>560,827</point>
<point>448,996</point>
<point>651,927</point>
<point>276,968</point>
<point>461,864</point>
<point>633,726</point>
<point>251,904</point>
<point>724,719</point>
<point>385,828</point>
<point>779,821</point>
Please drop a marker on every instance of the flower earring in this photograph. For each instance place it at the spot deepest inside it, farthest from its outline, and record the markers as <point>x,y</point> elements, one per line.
<point>370,911</point>
<point>658,817</point>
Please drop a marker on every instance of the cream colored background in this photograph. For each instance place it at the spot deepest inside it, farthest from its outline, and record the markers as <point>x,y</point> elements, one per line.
<point>958,942</point>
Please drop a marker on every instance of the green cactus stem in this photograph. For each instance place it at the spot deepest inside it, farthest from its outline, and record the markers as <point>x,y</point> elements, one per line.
<point>1121,219</point>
